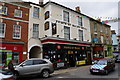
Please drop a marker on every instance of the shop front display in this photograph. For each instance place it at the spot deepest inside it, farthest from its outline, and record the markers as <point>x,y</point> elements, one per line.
<point>10,51</point>
<point>63,55</point>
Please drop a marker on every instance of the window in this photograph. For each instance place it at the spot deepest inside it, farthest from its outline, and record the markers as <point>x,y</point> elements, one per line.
<point>47,15</point>
<point>101,29</point>
<point>80,21</point>
<point>29,62</point>
<point>102,38</point>
<point>80,32</point>
<point>36,12</point>
<point>95,27</point>
<point>3,10</point>
<point>2,29</point>
<point>35,30</point>
<point>106,30</point>
<point>54,28</point>
<point>39,62</point>
<point>66,16</point>
<point>66,32</point>
<point>46,25</point>
<point>18,13</point>
<point>17,31</point>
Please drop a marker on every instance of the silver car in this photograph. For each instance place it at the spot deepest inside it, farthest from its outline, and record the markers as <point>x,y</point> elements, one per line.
<point>34,66</point>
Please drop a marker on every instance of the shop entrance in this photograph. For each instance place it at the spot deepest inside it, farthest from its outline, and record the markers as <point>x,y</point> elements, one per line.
<point>71,58</point>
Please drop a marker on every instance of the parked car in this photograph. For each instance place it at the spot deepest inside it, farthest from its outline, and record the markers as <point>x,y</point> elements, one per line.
<point>5,75</point>
<point>103,66</point>
<point>117,58</point>
<point>35,66</point>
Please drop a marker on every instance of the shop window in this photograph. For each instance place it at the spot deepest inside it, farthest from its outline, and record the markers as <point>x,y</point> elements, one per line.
<point>46,25</point>
<point>18,13</point>
<point>2,30</point>
<point>3,10</point>
<point>66,16</point>
<point>80,32</point>
<point>47,15</point>
<point>16,31</point>
<point>80,21</point>
<point>36,12</point>
<point>35,30</point>
<point>16,57</point>
<point>54,28</point>
<point>66,32</point>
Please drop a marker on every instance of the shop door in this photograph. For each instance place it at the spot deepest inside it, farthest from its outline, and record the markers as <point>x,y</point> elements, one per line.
<point>71,60</point>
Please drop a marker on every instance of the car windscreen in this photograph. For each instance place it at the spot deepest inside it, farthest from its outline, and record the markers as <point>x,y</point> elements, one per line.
<point>102,62</point>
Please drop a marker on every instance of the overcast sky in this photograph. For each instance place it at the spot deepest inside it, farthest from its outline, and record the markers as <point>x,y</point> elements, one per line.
<point>93,8</point>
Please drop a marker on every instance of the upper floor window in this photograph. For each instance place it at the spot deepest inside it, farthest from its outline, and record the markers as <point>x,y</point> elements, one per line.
<point>36,12</point>
<point>95,27</point>
<point>54,28</point>
<point>80,32</point>
<point>16,31</point>
<point>66,32</point>
<point>3,10</point>
<point>2,29</point>
<point>66,16</point>
<point>47,15</point>
<point>80,21</point>
<point>35,30</point>
<point>106,30</point>
<point>46,25</point>
<point>18,13</point>
<point>101,28</point>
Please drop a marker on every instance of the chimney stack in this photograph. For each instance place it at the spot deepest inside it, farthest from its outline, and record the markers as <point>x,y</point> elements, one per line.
<point>78,9</point>
<point>41,2</point>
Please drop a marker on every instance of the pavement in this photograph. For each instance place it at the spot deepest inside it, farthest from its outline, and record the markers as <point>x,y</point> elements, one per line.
<point>60,71</point>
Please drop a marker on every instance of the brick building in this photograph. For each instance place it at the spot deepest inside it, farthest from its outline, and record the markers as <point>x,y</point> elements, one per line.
<point>13,31</point>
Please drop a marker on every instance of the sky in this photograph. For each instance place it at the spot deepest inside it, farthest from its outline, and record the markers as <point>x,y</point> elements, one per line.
<point>93,8</point>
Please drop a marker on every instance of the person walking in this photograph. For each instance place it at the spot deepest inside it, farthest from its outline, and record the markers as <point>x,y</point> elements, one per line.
<point>11,66</point>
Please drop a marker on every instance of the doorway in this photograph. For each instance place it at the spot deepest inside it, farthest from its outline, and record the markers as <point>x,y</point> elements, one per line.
<point>71,58</point>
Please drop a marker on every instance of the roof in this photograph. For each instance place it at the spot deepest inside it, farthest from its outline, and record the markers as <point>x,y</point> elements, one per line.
<point>73,11</point>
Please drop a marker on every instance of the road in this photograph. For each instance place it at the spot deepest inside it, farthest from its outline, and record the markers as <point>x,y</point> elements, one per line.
<point>80,73</point>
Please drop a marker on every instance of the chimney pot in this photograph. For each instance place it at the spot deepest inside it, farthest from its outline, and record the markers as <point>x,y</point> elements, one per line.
<point>77,9</point>
<point>41,2</point>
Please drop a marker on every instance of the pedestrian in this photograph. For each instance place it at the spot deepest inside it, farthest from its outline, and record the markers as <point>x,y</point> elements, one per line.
<point>11,66</point>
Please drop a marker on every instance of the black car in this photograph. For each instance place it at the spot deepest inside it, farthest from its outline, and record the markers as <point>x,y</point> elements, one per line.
<point>103,66</point>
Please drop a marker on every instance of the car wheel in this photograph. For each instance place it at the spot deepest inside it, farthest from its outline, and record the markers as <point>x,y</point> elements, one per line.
<point>106,72</point>
<point>16,75</point>
<point>45,73</point>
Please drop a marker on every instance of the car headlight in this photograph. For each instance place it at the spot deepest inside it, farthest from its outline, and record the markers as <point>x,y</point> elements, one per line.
<point>101,69</point>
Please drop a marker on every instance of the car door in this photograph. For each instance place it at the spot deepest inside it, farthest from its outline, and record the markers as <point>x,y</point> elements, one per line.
<point>26,67</point>
<point>38,65</point>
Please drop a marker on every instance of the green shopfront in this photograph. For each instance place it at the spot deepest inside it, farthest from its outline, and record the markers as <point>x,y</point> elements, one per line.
<point>66,55</point>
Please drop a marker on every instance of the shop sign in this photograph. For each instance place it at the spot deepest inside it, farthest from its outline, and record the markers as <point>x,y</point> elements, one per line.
<point>81,62</point>
<point>60,65</point>
<point>2,48</point>
<point>69,47</point>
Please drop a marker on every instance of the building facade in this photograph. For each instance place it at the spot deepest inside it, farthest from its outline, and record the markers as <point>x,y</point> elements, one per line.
<point>13,32</point>
<point>101,39</point>
<point>67,36</point>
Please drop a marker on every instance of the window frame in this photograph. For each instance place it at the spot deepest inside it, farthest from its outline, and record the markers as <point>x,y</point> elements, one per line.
<point>46,24</point>
<point>95,27</point>
<point>80,22</point>
<point>35,12</point>
<point>64,18</point>
<point>17,13</point>
<point>79,35</point>
<point>67,33</point>
<point>35,32</point>
<point>14,32</point>
<point>6,10</point>
<point>47,13</point>
<point>4,30</point>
